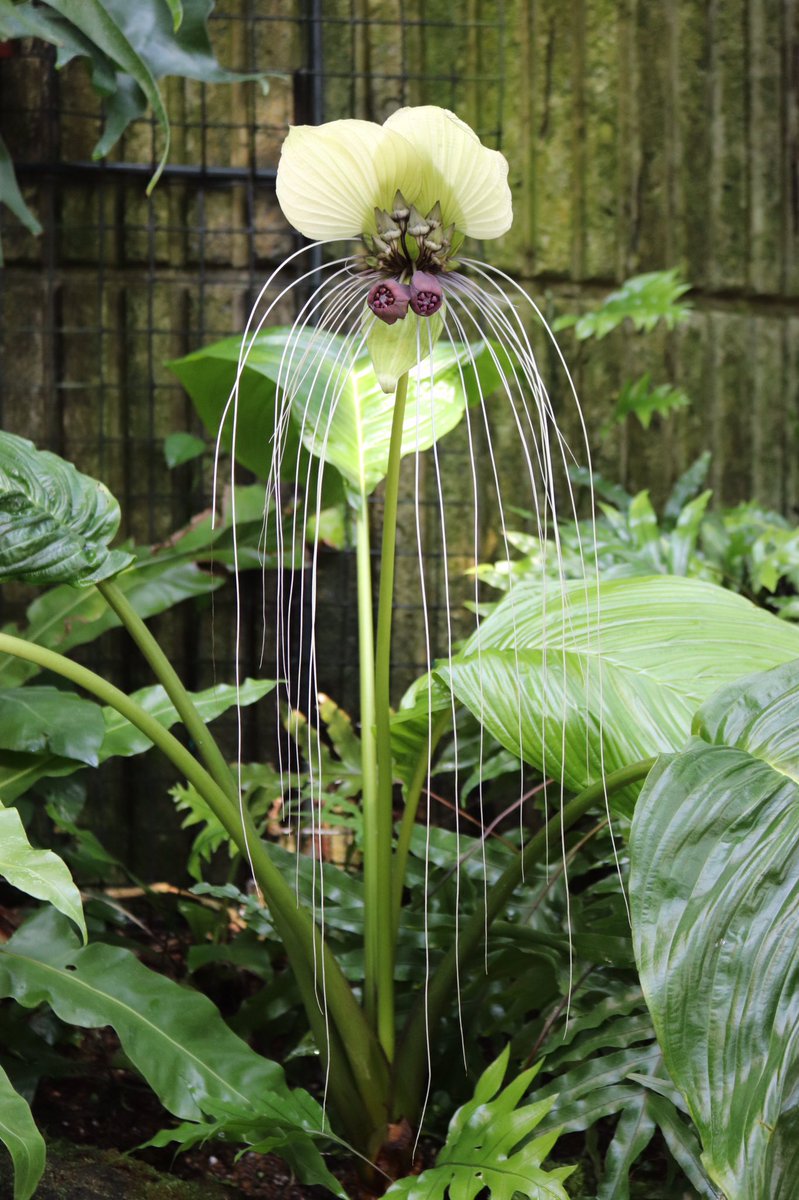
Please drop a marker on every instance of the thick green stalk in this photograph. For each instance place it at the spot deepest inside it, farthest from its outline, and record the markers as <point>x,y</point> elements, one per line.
<point>411,1060</point>
<point>412,799</point>
<point>163,670</point>
<point>366,668</point>
<point>385,765</point>
<point>361,1059</point>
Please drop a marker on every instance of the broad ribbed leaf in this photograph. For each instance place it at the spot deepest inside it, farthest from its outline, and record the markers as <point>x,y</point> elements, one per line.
<point>46,719</point>
<point>174,1036</point>
<point>320,368</point>
<point>38,873</point>
<point>487,1148</point>
<point>55,524</point>
<point>715,907</point>
<point>22,1139</point>
<point>630,660</point>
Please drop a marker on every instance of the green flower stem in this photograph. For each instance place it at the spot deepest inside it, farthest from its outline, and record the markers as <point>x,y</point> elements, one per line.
<point>162,668</point>
<point>411,1060</point>
<point>366,667</point>
<point>409,813</point>
<point>385,765</point>
<point>357,1054</point>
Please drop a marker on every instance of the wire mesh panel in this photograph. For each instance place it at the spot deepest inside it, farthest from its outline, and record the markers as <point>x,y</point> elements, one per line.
<point>120,283</point>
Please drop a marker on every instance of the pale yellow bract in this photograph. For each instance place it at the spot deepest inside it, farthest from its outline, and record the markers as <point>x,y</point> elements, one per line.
<point>331,177</point>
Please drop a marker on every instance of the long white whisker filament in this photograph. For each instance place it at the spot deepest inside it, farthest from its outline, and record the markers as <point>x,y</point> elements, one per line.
<point>476,553</point>
<point>455,303</point>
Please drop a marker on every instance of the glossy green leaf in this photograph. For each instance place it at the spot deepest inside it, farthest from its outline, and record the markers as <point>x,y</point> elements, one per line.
<point>633,1134</point>
<point>357,439</point>
<point>38,873</point>
<point>98,22</point>
<point>715,908</point>
<point>597,678</point>
<point>55,524</point>
<point>21,1138</point>
<point>64,617</point>
<point>45,719</point>
<point>487,1150</point>
<point>123,739</point>
<point>19,771</point>
<point>181,448</point>
<point>174,1036</point>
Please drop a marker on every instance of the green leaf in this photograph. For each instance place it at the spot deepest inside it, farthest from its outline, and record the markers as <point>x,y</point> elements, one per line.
<point>714,862</point>
<point>171,37</point>
<point>65,616</point>
<point>365,411</point>
<point>98,23</point>
<point>174,1036</point>
<point>55,524</point>
<point>645,300</point>
<point>182,447</point>
<point>640,399</point>
<point>18,771</point>
<point>38,873</point>
<point>123,739</point>
<point>633,1134</point>
<point>597,678</point>
<point>36,719</point>
<point>176,8</point>
<point>12,197</point>
<point>487,1148</point>
<point>21,1138</point>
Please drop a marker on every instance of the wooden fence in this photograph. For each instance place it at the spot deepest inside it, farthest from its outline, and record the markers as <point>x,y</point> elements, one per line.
<point>640,135</point>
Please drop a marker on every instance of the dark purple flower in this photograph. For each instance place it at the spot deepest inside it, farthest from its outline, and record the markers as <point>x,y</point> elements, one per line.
<point>426,294</point>
<point>389,299</point>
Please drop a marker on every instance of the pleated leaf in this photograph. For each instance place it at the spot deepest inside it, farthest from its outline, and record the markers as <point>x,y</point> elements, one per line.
<point>715,907</point>
<point>599,677</point>
<point>55,524</point>
<point>487,1150</point>
<point>21,1138</point>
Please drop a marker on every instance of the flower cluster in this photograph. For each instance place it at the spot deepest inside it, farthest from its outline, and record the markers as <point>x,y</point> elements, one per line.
<point>410,190</point>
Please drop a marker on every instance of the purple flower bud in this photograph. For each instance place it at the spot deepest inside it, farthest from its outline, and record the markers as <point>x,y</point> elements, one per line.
<point>426,294</point>
<point>389,299</point>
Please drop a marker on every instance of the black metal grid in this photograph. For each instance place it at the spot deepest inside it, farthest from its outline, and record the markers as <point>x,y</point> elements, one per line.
<point>119,282</point>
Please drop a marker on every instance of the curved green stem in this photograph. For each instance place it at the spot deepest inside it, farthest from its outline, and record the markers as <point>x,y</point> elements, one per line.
<point>366,668</point>
<point>162,668</point>
<point>358,1055</point>
<point>409,812</point>
<point>411,1060</point>
<point>383,919</point>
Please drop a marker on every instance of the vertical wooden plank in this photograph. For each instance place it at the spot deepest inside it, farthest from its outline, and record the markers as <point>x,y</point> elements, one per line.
<point>629,143</point>
<point>554,132</point>
<point>601,84</point>
<point>695,88</point>
<point>790,147</point>
<point>763,148</point>
<point>727,190</point>
<point>768,409</point>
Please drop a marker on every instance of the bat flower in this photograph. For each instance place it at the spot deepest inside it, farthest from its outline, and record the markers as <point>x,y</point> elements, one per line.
<point>411,190</point>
